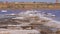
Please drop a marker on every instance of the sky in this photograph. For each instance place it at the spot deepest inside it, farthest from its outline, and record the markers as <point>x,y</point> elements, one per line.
<point>30,0</point>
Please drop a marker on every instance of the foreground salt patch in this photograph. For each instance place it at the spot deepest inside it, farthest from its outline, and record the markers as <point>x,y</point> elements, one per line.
<point>20,32</point>
<point>51,23</point>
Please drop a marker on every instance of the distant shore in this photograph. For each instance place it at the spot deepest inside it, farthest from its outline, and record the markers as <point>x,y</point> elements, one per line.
<point>29,5</point>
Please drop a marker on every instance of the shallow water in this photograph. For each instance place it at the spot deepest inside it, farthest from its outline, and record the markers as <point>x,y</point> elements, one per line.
<point>55,12</point>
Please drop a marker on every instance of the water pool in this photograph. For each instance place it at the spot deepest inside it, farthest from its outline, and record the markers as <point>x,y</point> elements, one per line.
<point>55,12</point>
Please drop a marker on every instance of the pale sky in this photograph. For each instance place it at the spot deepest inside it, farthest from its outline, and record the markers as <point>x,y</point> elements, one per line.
<point>30,0</point>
